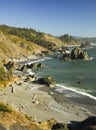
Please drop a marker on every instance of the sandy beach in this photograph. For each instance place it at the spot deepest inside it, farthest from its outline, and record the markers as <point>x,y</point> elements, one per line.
<point>41,103</point>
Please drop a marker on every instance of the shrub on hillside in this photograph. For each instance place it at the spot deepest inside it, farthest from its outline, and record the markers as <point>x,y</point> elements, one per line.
<point>4,75</point>
<point>5,108</point>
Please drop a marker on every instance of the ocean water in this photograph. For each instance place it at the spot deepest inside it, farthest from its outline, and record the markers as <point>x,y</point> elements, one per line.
<point>77,76</point>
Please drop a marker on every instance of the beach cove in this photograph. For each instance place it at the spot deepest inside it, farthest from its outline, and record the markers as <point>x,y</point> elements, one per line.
<point>48,103</point>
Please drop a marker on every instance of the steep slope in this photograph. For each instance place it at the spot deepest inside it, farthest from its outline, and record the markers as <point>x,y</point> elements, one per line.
<point>42,39</point>
<point>21,42</point>
<point>15,47</point>
<point>56,41</point>
<point>13,120</point>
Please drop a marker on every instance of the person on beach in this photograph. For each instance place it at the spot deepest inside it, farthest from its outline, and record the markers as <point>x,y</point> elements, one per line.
<point>12,89</point>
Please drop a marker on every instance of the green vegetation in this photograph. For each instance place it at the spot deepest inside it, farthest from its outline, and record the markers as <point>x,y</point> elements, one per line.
<point>67,38</point>
<point>27,35</point>
<point>5,108</point>
<point>4,75</point>
<point>27,117</point>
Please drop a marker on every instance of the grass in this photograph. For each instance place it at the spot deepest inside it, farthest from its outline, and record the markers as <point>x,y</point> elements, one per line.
<point>3,74</point>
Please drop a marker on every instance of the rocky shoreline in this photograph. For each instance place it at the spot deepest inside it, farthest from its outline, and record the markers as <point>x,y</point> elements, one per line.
<point>41,103</point>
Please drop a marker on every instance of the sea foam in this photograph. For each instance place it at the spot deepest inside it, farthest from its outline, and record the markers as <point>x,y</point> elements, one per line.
<point>39,60</point>
<point>75,91</point>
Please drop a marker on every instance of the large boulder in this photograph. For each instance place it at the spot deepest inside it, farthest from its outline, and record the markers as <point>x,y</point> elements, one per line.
<point>48,80</point>
<point>87,124</point>
<point>59,126</point>
<point>85,55</point>
<point>78,53</point>
<point>85,44</point>
<point>35,66</point>
<point>9,65</point>
<point>40,66</point>
<point>45,53</point>
<point>31,78</point>
<point>66,57</point>
<point>23,68</point>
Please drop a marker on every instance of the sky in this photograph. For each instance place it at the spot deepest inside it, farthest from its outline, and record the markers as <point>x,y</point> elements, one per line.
<point>56,17</point>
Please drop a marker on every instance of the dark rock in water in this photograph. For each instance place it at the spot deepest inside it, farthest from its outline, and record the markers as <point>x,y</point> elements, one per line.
<point>85,44</point>
<point>64,49</point>
<point>40,66</point>
<point>48,80</point>
<point>66,57</point>
<point>87,124</point>
<point>85,55</point>
<point>35,66</point>
<point>78,53</point>
<point>78,82</point>
<point>32,66</point>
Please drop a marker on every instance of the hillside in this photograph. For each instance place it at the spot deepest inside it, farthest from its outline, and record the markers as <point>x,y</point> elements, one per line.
<point>69,40</point>
<point>12,46</point>
<point>24,36</point>
<point>21,42</point>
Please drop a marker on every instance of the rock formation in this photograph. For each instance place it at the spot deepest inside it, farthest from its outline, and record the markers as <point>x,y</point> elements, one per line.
<point>48,80</point>
<point>87,124</point>
<point>78,53</point>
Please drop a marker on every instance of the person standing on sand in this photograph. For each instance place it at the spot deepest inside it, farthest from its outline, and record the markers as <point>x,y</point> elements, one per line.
<point>12,89</point>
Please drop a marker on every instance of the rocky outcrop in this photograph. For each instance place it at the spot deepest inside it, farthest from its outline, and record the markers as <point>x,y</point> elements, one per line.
<point>45,53</point>
<point>23,68</point>
<point>85,45</point>
<point>9,65</point>
<point>59,126</point>
<point>66,57</point>
<point>48,80</point>
<point>78,53</point>
<point>31,78</point>
<point>35,66</point>
<point>87,124</point>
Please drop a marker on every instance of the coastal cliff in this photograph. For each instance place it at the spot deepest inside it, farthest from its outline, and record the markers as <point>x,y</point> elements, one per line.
<point>29,105</point>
